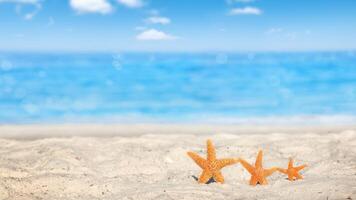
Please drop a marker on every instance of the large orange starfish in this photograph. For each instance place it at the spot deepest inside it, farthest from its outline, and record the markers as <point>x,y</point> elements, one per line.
<point>258,174</point>
<point>211,166</point>
<point>292,172</point>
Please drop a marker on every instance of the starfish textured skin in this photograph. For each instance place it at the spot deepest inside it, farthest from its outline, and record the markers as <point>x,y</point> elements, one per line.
<point>258,173</point>
<point>292,172</point>
<point>211,166</point>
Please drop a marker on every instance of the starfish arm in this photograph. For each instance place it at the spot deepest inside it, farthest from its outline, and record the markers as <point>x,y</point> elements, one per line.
<point>253,180</point>
<point>211,151</point>
<point>259,159</point>
<point>205,176</point>
<point>290,177</point>
<point>284,171</point>
<point>269,172</point>
<point>197,159</point>
<point>225,162</point>
<point>300,167</point>
<point>218,177</point>
<point>247,166</point>
<point>298,176</point>
<point>290,164</point>
<point>263,181</point>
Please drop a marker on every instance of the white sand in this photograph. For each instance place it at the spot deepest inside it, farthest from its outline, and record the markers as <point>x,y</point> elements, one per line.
<point>155,166</point>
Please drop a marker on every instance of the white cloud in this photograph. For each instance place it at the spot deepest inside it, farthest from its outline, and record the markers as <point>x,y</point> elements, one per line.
<point>131,3</point>
<point>91,6</point>
<point>274,30</point>
<point>30,15</point>
<point>246,11</point>
<point>158,20</point>
<point>20,3</point>
<point>153,34</point>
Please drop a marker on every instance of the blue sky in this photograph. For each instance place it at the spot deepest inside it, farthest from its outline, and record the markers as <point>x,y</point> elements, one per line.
<point>177,25</point>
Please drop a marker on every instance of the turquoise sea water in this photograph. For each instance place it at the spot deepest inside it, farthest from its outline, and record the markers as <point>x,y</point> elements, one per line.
<point>173,87</point>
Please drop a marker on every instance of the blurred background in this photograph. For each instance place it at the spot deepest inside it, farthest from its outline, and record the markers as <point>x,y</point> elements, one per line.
<point>158,61</point>
<point>178,88</point>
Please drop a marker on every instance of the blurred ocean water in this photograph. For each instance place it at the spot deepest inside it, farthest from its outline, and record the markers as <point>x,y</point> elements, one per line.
<point>158,87</point>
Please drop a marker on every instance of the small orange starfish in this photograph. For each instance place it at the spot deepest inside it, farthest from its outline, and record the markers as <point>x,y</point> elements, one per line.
<point>211,166</point>
<point>258,174</point>
<point>292,172</point>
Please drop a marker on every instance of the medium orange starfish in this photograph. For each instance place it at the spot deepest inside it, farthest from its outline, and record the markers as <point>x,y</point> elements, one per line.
<point>258,174</point>
<point>211,166</point>
<point>292,172</point>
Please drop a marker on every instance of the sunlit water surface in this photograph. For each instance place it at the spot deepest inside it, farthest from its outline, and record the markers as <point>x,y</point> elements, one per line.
<point>154,87</point>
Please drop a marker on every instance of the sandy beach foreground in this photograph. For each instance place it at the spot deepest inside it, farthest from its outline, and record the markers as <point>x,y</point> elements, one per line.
<point>154,165</point>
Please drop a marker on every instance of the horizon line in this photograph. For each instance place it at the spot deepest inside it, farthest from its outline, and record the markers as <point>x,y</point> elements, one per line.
<point>174,51</point>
